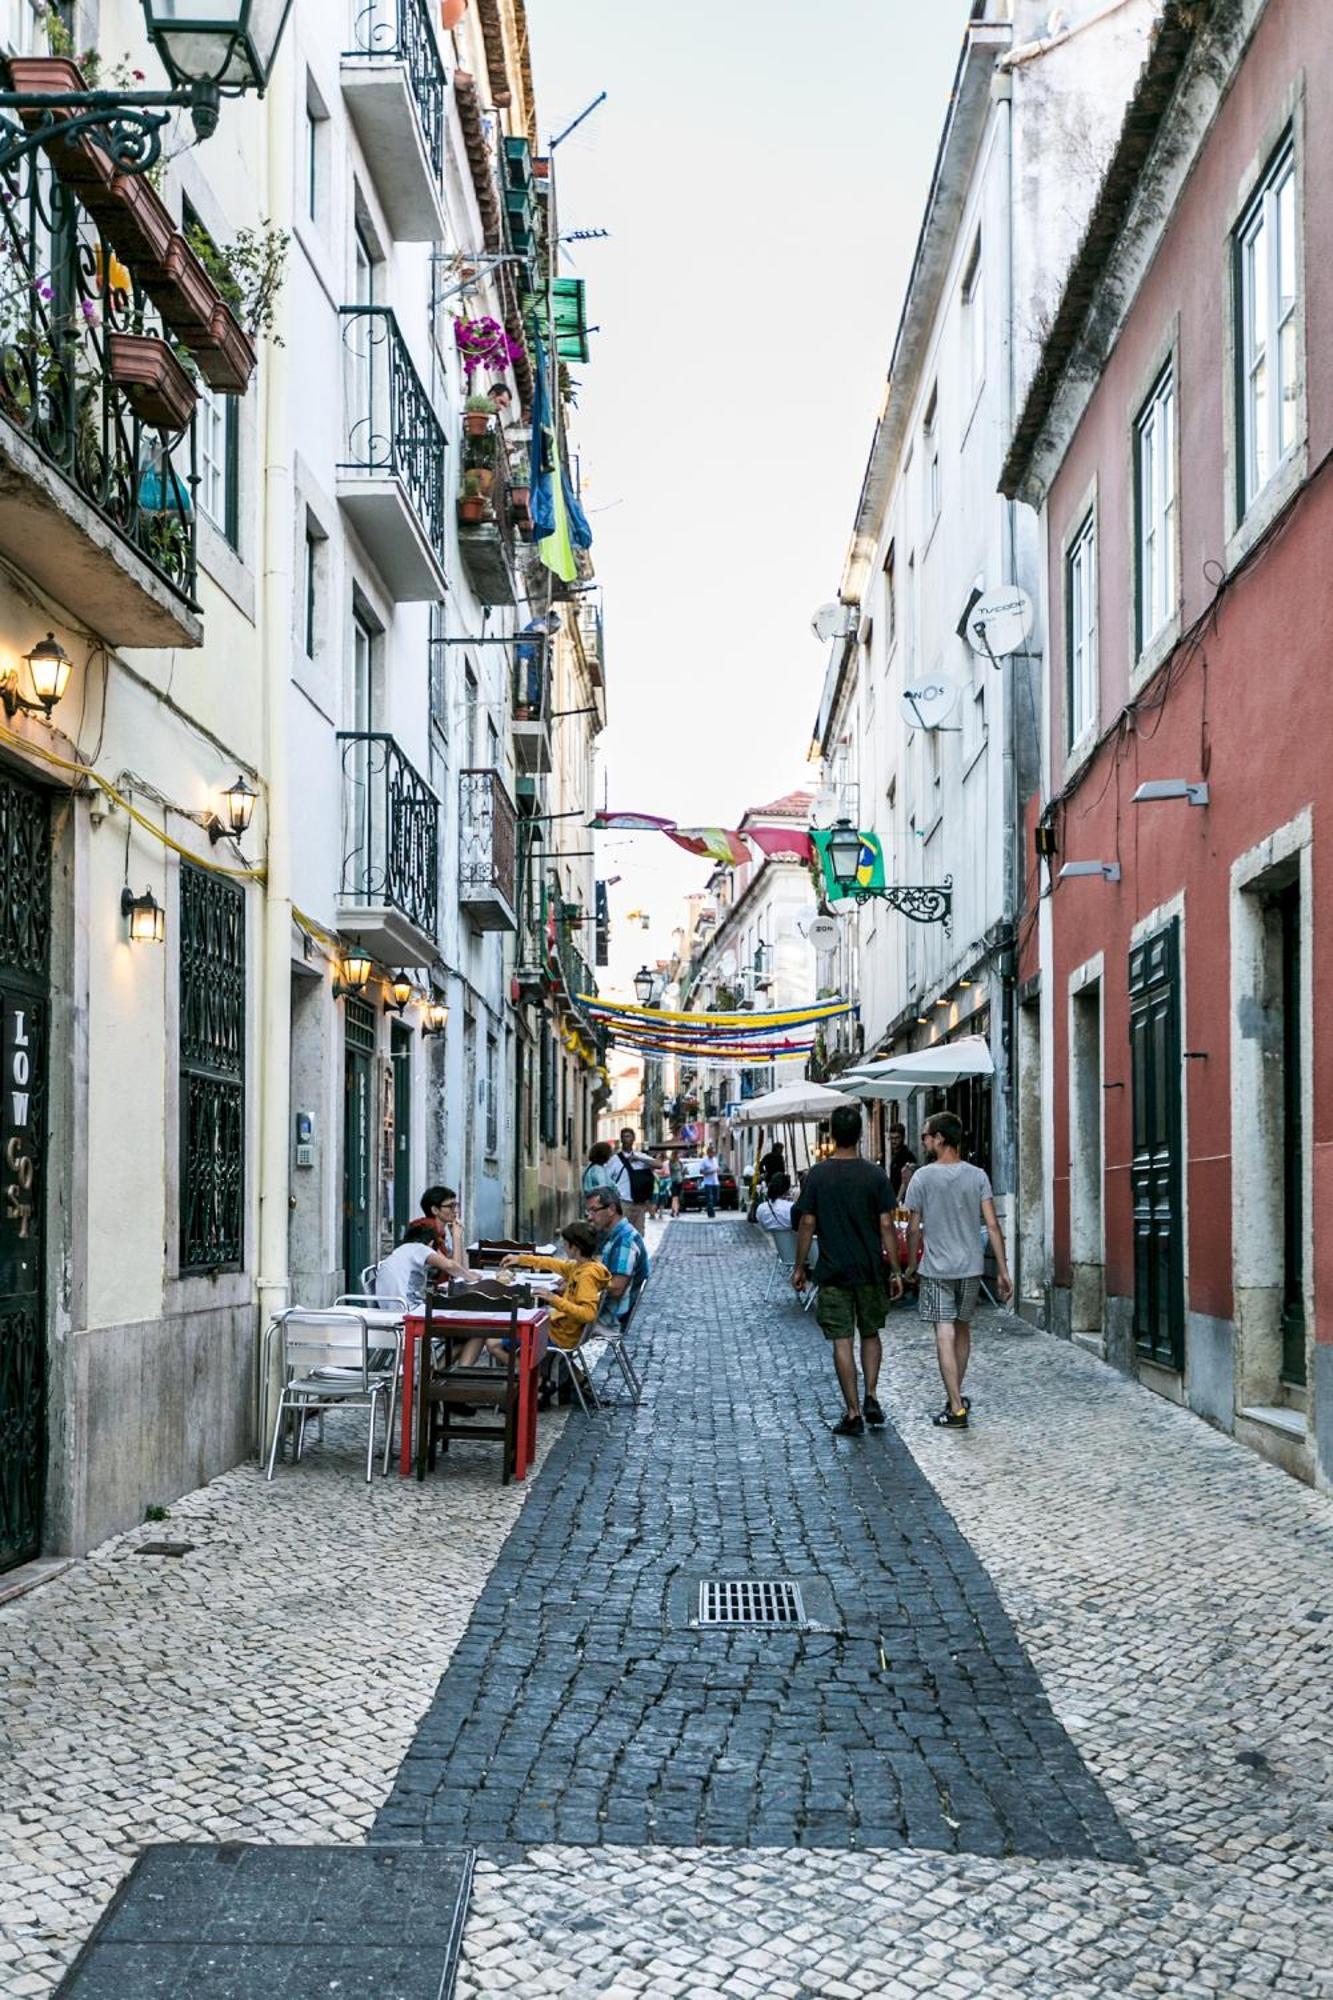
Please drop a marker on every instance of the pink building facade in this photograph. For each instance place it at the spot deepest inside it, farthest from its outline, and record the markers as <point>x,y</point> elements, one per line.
<point>1177,442</point>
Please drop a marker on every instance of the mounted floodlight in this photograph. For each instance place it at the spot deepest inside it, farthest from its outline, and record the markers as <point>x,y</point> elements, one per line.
<point>1108,870</point>
<point>1170,788</point>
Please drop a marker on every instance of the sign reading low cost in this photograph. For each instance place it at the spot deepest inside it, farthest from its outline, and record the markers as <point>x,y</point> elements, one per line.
<point>18,1132</point>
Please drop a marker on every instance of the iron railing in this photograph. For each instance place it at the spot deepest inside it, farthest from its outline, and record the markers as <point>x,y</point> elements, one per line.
<point>392,429</point>
<point>391,830</point>
<point>62,292</point>
<point>400,31</point>
<point>487,837</point>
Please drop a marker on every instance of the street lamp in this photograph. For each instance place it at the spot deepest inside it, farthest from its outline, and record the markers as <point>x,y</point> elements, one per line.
<point>437,1016</point>
<point>209,48</point>
<point>48,667</point>
<point>355,974</point>
<point>844,853</point>
<point>643,986</point>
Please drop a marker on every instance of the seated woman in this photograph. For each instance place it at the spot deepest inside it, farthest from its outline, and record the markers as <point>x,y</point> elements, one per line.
<point>579,1300</point>
<point>405,1272</point>
<point>774,1211</point>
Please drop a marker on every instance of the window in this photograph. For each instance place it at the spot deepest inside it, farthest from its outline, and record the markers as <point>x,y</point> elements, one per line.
<point>314,163</point>
<point>363,674</point>
<point>1081,631</point>
<point>931,441</point>
<point>912,617</point>
<point>310,590</point>
<point>890,600</point>
<point>218,434</point>
<point>1155,509</point>
<point>1267,307</point>
<point>492,1099</point>
<point>974,325</point>
<point>439,676</point>
<point>212,1071</point>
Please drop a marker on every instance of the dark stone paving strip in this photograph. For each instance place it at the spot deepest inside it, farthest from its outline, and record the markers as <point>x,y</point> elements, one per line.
<point>236,1922</point>
<point>579,1707</point>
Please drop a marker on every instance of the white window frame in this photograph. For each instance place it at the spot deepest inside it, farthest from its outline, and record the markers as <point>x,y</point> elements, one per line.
<point>1081,632</point>
<point>930,437</point>
<point>1156,502</point>
<point>1267,327</point>
<point>216,414</point>
<point>972,297</point>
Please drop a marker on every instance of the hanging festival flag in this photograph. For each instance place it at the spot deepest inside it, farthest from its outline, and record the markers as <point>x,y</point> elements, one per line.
<point>603,822</point>
<point>728,849</point>
<point>870,873</point>
<point>782,843</point>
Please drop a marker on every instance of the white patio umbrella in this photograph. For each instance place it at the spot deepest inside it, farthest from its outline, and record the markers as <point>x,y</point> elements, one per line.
<point>795,1103</point>
<point>934,1068</point>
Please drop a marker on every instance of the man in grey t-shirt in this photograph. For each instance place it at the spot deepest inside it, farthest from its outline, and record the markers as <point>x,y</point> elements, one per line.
<point>952,1201</point>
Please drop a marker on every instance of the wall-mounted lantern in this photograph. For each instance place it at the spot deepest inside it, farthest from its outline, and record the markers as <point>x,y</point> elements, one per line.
<point>354,974</point>
<point>436,1016</point>
<point>147,918</point>
<point>400,993</point>
<point>48,667</point>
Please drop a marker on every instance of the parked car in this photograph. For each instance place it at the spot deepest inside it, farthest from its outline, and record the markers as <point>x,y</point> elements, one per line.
<point>692,1192</point>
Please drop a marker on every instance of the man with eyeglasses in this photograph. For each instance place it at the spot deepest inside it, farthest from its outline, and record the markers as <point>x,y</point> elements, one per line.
<point>621,1248</point>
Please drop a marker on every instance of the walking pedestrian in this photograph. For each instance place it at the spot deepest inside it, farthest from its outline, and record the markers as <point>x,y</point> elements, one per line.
<point>901,1160</point>
<point>634,1177</point>
<point>951,1200</point>
<point>709,1178</point>
<point>849,1202</point>
<point>597,1173</point>
<point>676,1174</point>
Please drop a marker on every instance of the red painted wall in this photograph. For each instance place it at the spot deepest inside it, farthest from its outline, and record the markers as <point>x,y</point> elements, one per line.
<point>1248,706</point>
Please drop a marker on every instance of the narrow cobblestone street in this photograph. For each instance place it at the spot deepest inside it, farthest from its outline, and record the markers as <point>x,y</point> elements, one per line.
<point>1092,1763</point>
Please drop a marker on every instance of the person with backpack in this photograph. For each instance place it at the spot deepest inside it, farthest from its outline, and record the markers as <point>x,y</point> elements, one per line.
<point>633,1176</point>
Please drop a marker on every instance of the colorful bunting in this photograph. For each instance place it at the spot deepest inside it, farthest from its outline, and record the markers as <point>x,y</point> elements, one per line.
<point>721,844</point>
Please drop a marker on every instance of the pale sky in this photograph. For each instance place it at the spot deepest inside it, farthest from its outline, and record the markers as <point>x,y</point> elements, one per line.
<point>762,166</point>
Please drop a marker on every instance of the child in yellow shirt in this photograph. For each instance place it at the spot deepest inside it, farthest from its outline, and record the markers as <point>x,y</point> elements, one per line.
<point>579,1300</point>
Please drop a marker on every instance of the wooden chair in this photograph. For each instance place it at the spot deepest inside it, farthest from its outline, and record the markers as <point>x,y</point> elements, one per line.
<point>480,1386</point>
<point>491,1251</point>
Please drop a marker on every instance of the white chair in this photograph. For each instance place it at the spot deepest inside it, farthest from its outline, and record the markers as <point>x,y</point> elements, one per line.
<point>326,1365</point>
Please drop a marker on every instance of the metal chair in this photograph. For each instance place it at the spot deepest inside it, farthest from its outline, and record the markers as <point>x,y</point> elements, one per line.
<point>326,1366</point>
<point>610,1334</point>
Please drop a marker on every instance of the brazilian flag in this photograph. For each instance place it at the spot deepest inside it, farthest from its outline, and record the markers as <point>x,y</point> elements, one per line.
<point>870,874</point>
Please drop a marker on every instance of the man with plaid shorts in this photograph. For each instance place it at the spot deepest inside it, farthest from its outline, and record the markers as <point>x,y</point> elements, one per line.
<point>952,1201</point>
<point>849,1202</point>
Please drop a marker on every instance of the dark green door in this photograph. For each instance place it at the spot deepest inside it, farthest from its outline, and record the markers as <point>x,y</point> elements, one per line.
<point>1155,1167</point>
<point>1293,1144</point>
<point>400,1049</point>
<point>25,927</point>
<point>358,1142</point>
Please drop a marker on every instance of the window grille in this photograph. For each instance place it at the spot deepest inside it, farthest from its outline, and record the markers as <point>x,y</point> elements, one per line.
<point>212,1071</point>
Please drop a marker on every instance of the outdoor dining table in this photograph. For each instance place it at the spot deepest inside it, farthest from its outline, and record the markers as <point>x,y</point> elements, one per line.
<point>534,1325</point>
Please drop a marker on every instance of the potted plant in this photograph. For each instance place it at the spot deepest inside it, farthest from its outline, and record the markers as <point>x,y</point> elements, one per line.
<point>473,506</point>
<point>156,387</point>
<point>477,414</point>
<point>77,160</point>
<point>520,490</point>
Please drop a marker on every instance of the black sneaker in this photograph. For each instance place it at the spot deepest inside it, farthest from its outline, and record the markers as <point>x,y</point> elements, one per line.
<point>850,1427</point>
<point>950,1420</point>
<point>872,1412</point>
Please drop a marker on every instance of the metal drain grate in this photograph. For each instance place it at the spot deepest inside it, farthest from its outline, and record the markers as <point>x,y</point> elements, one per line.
<point>751,1601</point>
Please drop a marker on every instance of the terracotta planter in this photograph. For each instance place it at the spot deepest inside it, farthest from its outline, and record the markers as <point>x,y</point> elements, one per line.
<point>156,387</point>
<point>520,501</point>
<point>78,161</point>
<point>476,423</point>
<point>182,291</point>
<point>227,356</point>
<point>134,219</point>
<point>472,512</point>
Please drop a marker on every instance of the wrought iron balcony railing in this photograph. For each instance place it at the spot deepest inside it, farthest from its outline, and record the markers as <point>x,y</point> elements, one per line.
<point>487,850</point>
<point>63,294</point>
<point>392,429</point>
<point>391,832</point>
<point>400,31</point>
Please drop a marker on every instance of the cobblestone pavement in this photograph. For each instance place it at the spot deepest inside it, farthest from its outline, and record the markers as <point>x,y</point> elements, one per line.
<point>1169,1589</point>
<point>263,1687</point>
<point>580,1706</point>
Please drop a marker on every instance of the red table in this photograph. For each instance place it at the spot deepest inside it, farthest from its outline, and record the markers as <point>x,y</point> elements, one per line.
<point>534,1324</point>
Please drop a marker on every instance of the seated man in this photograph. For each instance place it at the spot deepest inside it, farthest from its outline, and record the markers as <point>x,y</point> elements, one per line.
<point>622,1250</point>
<point>774,1211</point>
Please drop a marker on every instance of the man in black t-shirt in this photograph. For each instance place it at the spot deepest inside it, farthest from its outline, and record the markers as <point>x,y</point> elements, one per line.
<point>848,1203</point>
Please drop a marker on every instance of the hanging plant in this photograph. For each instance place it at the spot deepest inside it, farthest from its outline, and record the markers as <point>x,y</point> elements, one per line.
<point>248,273</point>
<point>483,343</point>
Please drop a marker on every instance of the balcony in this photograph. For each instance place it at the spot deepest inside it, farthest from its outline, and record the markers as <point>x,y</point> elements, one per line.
<point>394,87</point>
<point>588,635</point>
<point>389,896</point>
<point>391,479</point>
<point>493,508</point>
<point>532,705</point>
<point>487,847</point>
<point>97,472</point>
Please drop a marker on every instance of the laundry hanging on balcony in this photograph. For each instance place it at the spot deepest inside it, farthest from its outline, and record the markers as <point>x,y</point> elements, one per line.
<point>559,524</point>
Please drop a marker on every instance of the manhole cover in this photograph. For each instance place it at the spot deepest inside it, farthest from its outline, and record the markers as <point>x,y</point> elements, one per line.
<point>750,1601</point>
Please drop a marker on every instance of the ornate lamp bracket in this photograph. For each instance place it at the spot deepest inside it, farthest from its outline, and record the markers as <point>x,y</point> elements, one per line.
<point>127,125</point>
<point>921,903</point>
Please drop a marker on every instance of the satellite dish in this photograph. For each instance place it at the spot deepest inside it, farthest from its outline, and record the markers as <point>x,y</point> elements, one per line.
<point>833,621</point>
<point>929,704</point>
<point>997,622</point>
<point>824,933</point>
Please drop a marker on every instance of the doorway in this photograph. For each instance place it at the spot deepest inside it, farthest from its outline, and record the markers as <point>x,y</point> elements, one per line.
<point>1155,1164</point>
<point>25,935</point>
<point>358,1127</point>
<point>400,1055</point>
<point>1287,921</point>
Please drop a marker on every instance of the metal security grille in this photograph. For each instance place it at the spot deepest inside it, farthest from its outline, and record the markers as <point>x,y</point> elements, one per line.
<point>750,1601</point>
<point>212,1062</point>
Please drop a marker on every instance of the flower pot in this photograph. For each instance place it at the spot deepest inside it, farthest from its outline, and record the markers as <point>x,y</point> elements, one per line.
<point>476,423</point>
<point>78,161</point>
<point>473,511</point>
<point>182,291</point>
<point>134,219</point>
<point>156,387</point>
<point>227,356</point>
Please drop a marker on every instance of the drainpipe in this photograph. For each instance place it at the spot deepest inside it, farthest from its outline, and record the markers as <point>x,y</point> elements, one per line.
<point>1003,91</point>
<point>274,646</point>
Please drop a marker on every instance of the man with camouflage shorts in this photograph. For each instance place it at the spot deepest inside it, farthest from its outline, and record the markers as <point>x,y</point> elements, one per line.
<point>849,1202</point>
<point>952,1201</point>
